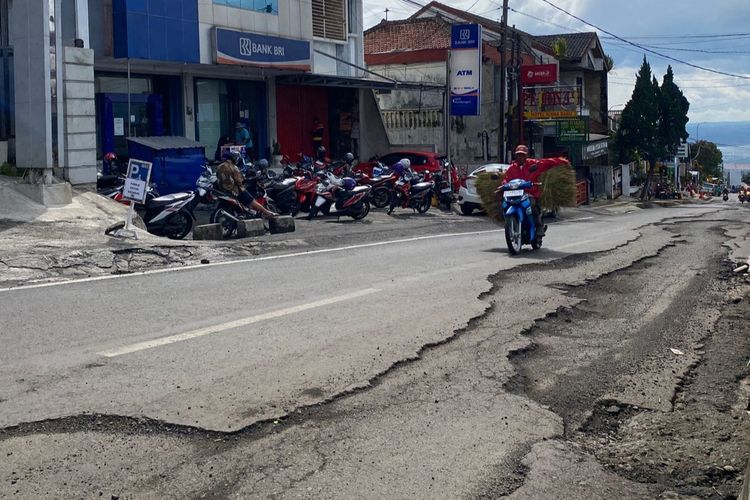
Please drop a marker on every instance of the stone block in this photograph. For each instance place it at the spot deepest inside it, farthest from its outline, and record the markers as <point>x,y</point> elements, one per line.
<point>80,124</point>
<point>80,175</point>
<point>251,227</point>
<point>208,232</point>
<point>77,142</point>
<point>82,158</point>
<point>79,56</point>
<point>78,73</point>
<point>79,90</point>
<point>80,107</point>
<point>281,224</point>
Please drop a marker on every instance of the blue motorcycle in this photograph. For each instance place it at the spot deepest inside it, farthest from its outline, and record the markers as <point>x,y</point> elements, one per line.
<point>520,225</point>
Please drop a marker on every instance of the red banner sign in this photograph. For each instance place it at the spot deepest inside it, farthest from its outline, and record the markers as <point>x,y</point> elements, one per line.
<point>539,73</point>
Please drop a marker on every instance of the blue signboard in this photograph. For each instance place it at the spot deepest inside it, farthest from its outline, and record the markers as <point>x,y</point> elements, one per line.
<point>236,47</point>
<point>466,69</point>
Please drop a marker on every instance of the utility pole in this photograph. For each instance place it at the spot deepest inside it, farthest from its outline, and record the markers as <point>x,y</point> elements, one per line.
<point>519,90</point>
<point>501,123</point>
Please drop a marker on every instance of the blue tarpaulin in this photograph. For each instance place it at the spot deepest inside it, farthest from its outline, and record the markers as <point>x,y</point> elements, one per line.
<point>176,161</point>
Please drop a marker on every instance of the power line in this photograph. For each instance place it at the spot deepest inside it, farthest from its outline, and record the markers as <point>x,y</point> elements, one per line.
<point>646,49</point>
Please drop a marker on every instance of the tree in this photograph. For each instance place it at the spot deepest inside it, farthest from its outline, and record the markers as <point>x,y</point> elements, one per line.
<point>709,157</point>
<point>639,132</point>
<point>746,178</point>
<point>673,108</point>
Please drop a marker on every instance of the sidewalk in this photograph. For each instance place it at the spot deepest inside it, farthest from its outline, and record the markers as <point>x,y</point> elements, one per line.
<point>40,243</point>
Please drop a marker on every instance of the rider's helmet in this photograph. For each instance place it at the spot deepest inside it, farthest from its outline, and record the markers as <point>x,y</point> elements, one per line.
<point>235,157</point>
<point>405,162</point>
<point>262,164</point>
<point>348,183</point>
<point>349,158</point>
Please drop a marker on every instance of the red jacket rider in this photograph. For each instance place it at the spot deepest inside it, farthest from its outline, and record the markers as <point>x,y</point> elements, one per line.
<point>530,169</point>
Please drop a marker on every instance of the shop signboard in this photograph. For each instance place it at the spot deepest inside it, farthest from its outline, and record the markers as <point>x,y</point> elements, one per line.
<point>252,49</point>
<point>537,74</point>
<point>572,131</point>
<point>466,69</point>
<point>595,149</point>
<point>552,103</point>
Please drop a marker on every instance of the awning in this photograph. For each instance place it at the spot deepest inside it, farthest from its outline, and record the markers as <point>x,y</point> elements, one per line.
<point>355,83</point>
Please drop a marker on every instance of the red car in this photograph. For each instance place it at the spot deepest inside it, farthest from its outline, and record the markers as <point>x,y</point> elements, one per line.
<point>420,161</point>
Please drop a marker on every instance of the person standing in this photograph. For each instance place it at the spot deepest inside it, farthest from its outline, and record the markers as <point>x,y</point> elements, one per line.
<point>317,134</point>
<point>243,137</point>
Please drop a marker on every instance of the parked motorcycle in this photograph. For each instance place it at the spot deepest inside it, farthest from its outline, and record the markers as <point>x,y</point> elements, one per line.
<point>306,188</point>
<point>344,196</point>
<point>383,187</point>
<point>412,191</point>
<point>520,225</point>
<point>442,191</point>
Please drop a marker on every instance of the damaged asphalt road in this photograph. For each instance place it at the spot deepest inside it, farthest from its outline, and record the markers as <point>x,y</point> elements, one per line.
<point>565,389</point>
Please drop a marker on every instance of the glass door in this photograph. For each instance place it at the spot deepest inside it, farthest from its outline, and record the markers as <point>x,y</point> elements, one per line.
<point>211,113</point>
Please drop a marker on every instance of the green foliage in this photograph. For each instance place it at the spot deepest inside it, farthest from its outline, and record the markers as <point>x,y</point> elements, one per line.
<point>639,130</point>
<point>9,170</point>
<point>746,178</point>
<point>558,190</point>
<point>560,47</point>
<point>609,62</point>
<point>709,157</point>
<point>673,107</point>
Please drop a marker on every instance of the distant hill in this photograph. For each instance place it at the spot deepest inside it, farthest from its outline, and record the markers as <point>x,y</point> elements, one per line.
<point>733,138</point>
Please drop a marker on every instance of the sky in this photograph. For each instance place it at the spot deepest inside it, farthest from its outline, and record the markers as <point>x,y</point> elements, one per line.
<point>715,35</point>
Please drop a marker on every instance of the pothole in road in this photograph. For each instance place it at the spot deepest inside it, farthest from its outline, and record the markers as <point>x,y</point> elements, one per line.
<point>646,371</point>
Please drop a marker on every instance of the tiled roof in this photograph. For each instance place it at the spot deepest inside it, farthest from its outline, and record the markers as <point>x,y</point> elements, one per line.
<point>407,35</point>
<point>577,43</point>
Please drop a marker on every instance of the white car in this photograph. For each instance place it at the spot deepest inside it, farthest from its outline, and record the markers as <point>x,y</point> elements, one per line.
<point>468,199</point>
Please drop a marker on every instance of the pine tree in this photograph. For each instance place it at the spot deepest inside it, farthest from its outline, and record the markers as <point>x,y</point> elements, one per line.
<point>674,108</point>
<point>639,132</point>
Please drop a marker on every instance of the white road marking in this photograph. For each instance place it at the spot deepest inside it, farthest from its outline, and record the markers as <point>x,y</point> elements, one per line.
<point>230,325</point>
<point>577,220</point>
<point>245,261</point>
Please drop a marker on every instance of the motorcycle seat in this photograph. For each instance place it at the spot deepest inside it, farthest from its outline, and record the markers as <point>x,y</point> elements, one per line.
<point>171,198</point>
<point>422,186</point>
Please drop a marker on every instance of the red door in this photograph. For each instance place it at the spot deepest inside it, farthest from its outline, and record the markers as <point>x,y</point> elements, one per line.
<point>296,108</point>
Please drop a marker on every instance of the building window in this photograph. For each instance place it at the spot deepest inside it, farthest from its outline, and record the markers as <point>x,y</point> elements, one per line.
<point>328,19</point>
<point>264,6</point>
<point>4,37</point>
<point>351,16</point>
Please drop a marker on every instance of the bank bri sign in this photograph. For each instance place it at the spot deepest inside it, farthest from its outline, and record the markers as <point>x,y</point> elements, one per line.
<point>251,49</point>
<point>466,69</point>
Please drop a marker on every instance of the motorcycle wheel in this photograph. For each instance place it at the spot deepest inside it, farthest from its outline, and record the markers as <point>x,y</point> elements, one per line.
<point>178,225</point>
<point>425,205</point>
<point>537,243</point>
<point>228,226</point>
<point>381,197</point>
<point>294,209</point>
<point>513,235</point>
<point>362,213</point>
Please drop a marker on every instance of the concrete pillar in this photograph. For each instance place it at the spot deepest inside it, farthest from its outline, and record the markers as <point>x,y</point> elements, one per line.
<point>29,36</point>
<point>79,163</point>
<point>271,106</point>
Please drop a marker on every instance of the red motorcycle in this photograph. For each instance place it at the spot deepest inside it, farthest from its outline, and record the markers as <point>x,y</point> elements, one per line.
<point>383,188</point>
<point>412,191</point>
<point>344,195</point>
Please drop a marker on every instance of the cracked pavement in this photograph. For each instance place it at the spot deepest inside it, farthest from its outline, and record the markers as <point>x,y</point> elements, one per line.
<point>415,392</point>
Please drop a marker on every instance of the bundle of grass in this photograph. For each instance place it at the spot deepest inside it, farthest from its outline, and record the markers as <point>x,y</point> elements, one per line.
<point>486,184</point>
<point>558,190</point>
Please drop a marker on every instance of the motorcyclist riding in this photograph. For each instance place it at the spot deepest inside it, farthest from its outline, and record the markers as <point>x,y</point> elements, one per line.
<point>230,179</point>
<point>529,169</point>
